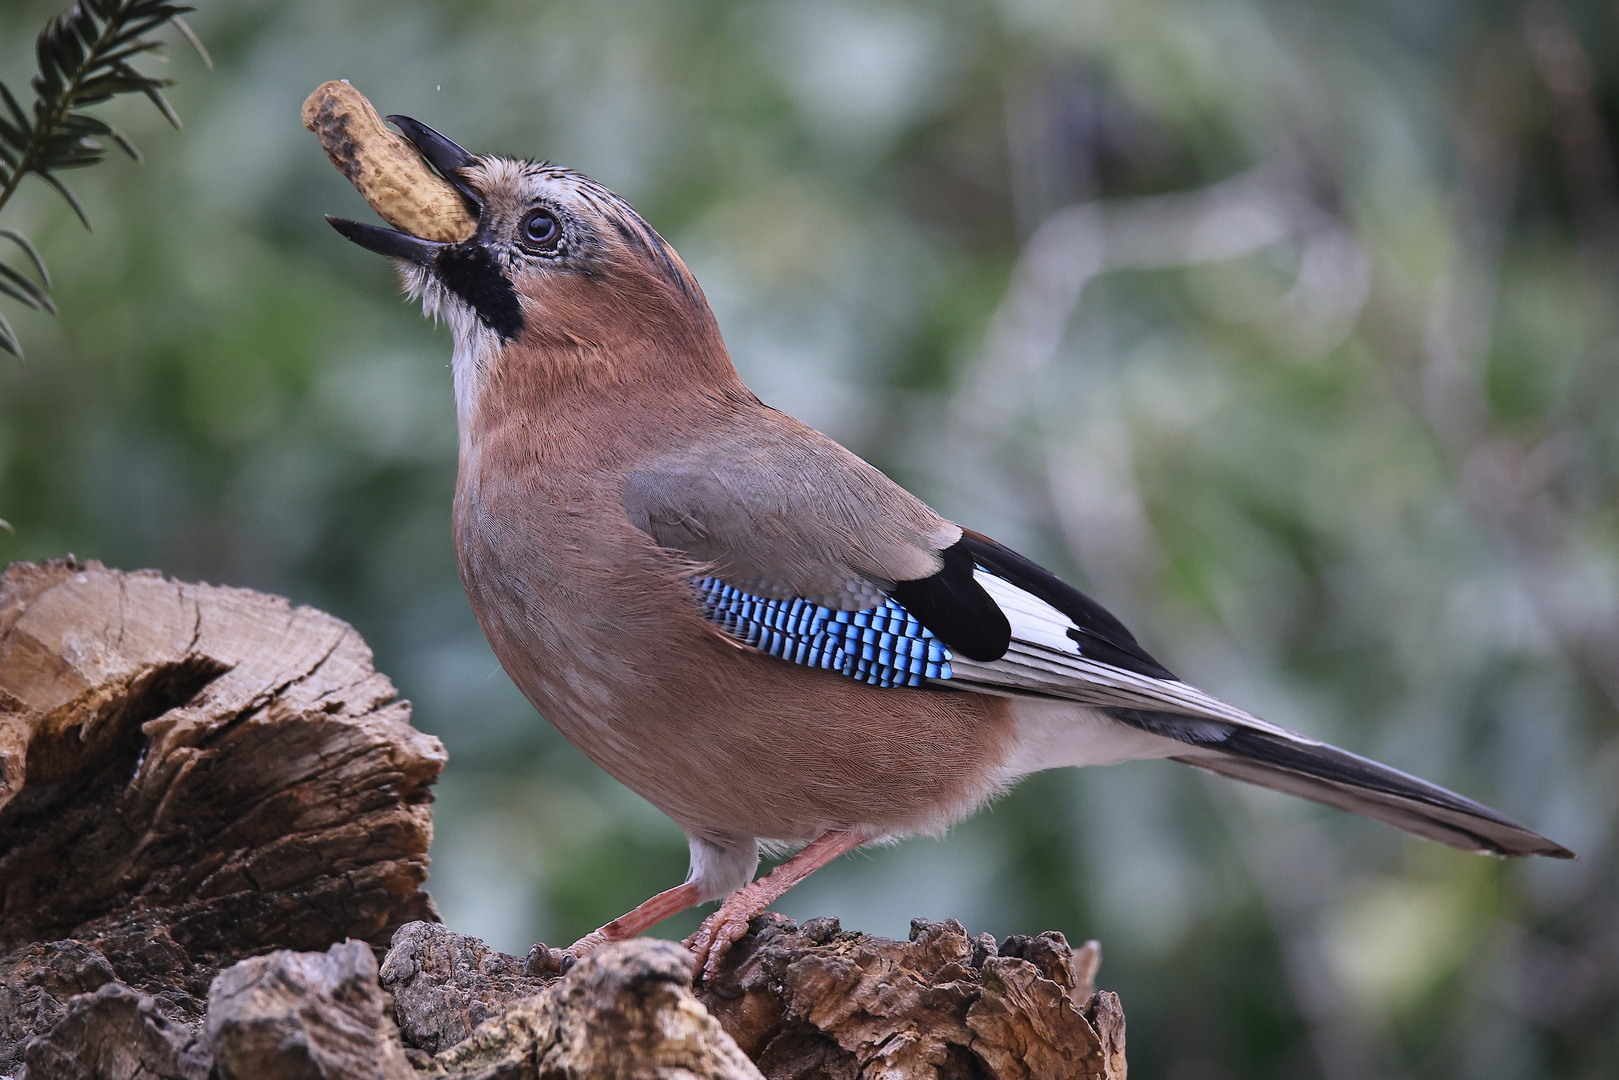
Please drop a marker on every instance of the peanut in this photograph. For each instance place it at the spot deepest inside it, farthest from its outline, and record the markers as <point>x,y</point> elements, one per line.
<point>384,166</point>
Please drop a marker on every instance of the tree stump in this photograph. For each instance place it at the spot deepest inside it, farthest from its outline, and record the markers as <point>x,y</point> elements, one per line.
<point>214,818</point>
<point>190,775</point>
<point>815,1001</point>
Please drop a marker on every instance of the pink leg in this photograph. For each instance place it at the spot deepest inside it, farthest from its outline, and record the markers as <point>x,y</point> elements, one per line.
<point>722,929</point>
<point>669,902</point>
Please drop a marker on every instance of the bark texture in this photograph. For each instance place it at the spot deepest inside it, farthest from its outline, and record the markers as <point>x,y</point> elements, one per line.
<point>214,814</point>
<point>624,1012</point>
<point>294,1015</point>
<point>807,1002</point>
<point>445,984</point>
<point>189,775</point>
<point>820,1001</point>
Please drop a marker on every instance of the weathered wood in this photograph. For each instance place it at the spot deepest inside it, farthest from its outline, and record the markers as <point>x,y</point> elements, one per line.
<point>819,1000</point>
<point>116,1033</point>
<point>190,775</point>
<point>624,1012</point>
<point>36,984</point>
<point>194,777</point>
<point>815,1001</point>
<point>290,1015</point>
<point>445,984</point>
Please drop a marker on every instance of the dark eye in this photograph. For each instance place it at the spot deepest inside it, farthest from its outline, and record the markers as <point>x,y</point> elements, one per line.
<point>540,228</point>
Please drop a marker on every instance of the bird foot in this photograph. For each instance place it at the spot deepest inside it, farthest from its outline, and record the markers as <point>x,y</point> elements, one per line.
<point>724,928</point>
<point>544,960</point>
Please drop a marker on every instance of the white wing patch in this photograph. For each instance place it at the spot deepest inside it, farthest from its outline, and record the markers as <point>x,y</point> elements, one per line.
<point>1044,660</point>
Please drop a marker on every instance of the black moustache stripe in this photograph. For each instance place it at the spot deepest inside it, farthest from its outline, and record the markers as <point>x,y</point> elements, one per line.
<point>471,273</point>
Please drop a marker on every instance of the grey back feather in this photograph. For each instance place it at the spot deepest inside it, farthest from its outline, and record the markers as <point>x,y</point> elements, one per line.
<point>781,511</point>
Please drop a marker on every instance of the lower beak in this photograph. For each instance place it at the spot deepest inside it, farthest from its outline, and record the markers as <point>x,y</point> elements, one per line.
<point>398,245</point>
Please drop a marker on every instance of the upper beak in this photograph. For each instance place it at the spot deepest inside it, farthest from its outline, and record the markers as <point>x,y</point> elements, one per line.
<point>445,157</point>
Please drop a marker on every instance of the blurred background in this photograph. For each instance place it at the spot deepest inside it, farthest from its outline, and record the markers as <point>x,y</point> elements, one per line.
<point>1287,330</point>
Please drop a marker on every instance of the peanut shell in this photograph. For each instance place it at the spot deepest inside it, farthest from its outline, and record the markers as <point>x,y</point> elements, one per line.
<point>384,166</point>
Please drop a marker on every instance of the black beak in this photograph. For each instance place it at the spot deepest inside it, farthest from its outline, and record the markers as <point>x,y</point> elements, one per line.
<point>466,269</point>
<point>444,155</point>
<point>397,245</point>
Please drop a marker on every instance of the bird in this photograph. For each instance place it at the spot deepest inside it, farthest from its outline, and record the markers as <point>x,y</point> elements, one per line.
<point>742,621</point>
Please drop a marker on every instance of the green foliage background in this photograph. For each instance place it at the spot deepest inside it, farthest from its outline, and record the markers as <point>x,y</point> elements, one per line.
<point>1343,452</point>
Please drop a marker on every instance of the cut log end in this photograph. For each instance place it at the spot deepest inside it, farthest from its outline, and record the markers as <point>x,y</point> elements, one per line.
<point>190,775</point>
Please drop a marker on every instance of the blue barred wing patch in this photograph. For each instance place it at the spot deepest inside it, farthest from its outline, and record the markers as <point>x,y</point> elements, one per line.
<point>881,646</point>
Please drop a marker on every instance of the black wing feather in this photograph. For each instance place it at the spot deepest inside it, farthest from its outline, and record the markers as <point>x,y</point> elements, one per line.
<point>956,608</point>
<point>1098,634</point>
<point>960,613</point>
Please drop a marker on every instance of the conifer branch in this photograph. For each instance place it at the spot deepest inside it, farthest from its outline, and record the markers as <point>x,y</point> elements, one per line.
<point>86,58</point>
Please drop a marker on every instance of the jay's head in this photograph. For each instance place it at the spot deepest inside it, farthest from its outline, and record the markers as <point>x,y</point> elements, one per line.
<point>561,274</point>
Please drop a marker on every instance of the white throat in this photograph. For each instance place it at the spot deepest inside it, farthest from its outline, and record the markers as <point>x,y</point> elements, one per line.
<point>477,347</point>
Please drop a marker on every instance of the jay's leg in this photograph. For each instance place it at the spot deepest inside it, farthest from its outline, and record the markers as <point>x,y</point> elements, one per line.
<point>722,929</point>
<point>669,902</point>
<point>719,866</point>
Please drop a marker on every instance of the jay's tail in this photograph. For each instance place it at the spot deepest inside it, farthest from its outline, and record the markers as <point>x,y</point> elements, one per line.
<point>1338,778</point>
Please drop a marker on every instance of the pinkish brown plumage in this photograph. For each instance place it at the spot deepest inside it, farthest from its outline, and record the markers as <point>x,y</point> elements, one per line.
<point>745,623</point>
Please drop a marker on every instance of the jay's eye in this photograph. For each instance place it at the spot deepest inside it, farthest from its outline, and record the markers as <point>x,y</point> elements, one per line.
<point>540,229</point>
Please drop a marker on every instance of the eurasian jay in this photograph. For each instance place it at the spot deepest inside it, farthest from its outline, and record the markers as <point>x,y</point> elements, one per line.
<point>745,623</point>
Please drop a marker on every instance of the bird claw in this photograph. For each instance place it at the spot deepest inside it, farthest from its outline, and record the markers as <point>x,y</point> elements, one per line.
<point>718,933</point>
<point>544,960</point>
